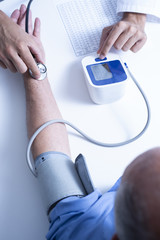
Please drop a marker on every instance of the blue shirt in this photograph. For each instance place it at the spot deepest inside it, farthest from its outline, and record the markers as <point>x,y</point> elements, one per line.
<point>90,217</point>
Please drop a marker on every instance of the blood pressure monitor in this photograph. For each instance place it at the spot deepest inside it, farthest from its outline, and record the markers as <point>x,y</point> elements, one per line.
<point>106,79</point>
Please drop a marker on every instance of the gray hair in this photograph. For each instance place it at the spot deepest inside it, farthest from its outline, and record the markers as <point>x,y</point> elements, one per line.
<point>130,215</point>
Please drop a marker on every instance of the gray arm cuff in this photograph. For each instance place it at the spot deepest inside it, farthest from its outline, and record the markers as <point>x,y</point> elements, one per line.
<point>57,178</point>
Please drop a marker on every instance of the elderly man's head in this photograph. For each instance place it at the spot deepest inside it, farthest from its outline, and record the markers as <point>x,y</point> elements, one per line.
<point>137,206</point>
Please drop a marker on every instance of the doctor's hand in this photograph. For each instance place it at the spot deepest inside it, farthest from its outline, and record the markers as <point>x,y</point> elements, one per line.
<point>19,16</point>
<point>17,47</point>
<point>128,34</point>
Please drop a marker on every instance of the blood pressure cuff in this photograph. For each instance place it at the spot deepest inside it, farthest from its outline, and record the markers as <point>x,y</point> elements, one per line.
<point>59,177</point>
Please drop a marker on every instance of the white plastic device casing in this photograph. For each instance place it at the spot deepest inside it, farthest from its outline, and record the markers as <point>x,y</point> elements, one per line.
<point>107,93</point>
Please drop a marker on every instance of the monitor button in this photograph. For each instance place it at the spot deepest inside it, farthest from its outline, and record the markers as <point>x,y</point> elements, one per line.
<point>99,60</point>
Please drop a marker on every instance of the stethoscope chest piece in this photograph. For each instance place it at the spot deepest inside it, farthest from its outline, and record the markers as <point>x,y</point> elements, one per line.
<point>43,71</point>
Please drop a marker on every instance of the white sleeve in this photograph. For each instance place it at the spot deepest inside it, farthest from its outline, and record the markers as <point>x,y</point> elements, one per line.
<point>149,7</point>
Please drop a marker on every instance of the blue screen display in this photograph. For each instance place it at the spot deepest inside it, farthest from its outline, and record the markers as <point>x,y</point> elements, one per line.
<point>106,72</point>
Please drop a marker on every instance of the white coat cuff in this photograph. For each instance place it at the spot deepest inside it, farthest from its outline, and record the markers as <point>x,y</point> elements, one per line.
<point>151,8</point>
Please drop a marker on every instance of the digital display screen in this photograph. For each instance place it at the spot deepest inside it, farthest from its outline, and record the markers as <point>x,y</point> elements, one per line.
<point>101,71</point>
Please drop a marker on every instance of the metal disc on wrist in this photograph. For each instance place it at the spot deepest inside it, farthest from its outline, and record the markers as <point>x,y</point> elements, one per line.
<point>43,71</point>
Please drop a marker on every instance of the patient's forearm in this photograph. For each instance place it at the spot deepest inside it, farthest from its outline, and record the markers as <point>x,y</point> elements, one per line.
<point>42,107</point>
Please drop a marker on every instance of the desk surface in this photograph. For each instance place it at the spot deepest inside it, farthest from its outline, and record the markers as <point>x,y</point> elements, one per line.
<point>21,209</point>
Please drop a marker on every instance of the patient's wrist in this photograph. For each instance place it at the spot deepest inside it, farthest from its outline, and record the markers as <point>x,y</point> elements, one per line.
<point>28,79</point>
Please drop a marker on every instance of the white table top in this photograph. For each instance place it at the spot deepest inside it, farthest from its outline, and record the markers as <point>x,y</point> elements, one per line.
<point>21,209</point>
